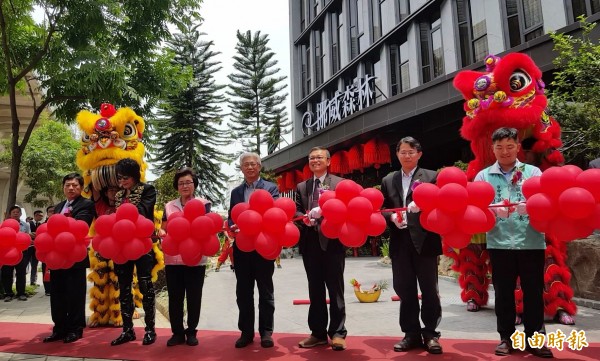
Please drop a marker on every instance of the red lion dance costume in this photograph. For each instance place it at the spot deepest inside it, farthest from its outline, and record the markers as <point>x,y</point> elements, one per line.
<point>510,94</point>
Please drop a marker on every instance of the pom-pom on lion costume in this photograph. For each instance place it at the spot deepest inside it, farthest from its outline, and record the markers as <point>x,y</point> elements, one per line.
<point>107,138</point>
<point>510,93</point>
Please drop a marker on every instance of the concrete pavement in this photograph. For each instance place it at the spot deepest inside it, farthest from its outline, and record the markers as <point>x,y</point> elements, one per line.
<point>219,309</point>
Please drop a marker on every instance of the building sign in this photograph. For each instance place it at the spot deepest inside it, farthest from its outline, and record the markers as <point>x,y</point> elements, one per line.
<point>357,96</point>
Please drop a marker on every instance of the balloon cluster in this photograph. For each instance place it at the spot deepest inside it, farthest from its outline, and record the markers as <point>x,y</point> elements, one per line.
<point>61,242</point>
<point>264,224</point>
<point>564,202</point>
<point>124,235</point>
<point>12,243</point>
<point>350,213</point>
<point>192,233</point>
<point>454,208</point>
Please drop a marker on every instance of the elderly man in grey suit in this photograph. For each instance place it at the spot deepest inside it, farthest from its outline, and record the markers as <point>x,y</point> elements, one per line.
<point>414,252</point>
<point>323,258</point>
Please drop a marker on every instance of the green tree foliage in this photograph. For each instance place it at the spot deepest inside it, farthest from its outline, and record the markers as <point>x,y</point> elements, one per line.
<point>164,189</point>
<point>83,53</point>
<point>574,97</point>
<point>187,125</point>
<point>49,156</point>
<point>256,102</point>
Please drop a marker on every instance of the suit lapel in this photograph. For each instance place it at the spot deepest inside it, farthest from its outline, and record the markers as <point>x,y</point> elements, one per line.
<point>309,191</point>
<point>417,175</point>
<point>397,181</point>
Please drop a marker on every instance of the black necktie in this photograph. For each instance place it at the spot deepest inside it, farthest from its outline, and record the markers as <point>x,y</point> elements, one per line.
<point>315,194</point>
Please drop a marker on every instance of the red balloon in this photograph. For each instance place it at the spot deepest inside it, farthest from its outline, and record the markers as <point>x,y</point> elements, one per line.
<point>169,246</point>
<point>275,254</point>
<point>576,203</point>
<point>191,260</point>
<point>330,229</point>
<point>440,222</point>
<point>290,236</point>
<point>457,239</point>
<point>352,235</point>
<point>555,180</point>
<point>22,241</point>
<point>57,223</point>
<point>212,246</point>
<point>346,190</point>
<point>194,208</point>
<point>473,221</point>
<point>79,229</point>
<point>7,237</point>
<point>217,220</point>
<point>531,186</point>
<point>123,231</point>
<point>190,247</point>
<point>179,228</point>
<point>64,242</point>
<point>377,225</point>
<point>359,210</point>
<point>274,221</point>
<point>133,249</point>
<point>54,260</point>
<point>426,196</point>
<point>287,205</point>
<point>541,207</point>
<point>202,228</point>
<point>325,196</point>
<point>174,215</point>
<point>95,242</point>
<point>43,228</point>
<point>109,248</point>
<point>481,194</point>
<point>334,210</point>
<point>260,200</point>
<point>127,211</point>
<point>374,196</point>
<point>450,175</point>
<point>565,229</point>
<point>250,222</point>
<point>77,254</point>
<point>12,224</point>
<point>540,226</point>
<point>144,227</point>
<point>245,242</point>
<point>453,198</point>
<point>423,217</point>
<point>265,244</point>
<point>573,170</point>
<point>237,210</point>
<point>104,224</point>
<point>491,219</point>
<point>590,180</point>
<point>43,242</point>
<point>11,257</point>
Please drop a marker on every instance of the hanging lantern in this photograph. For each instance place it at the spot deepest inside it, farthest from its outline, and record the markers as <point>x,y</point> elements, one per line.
<point>307,172</point>
<point>290,182</point>
<point>281,182</point>
<point>355,158</point>
<point>339,163</point>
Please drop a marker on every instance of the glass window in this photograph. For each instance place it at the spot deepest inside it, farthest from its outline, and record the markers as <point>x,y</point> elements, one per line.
<point>472,31</point>
<point>584,7</point>
<point>403,9</point>
<point>524,20</point>
<point>354,30</point>
<point>376,18</point>
<point>305,56</point>
<point>432,50</point>
<point>335,41</point>
<point>318,57</point>
<point>425,60</point>
<point>302,15</point>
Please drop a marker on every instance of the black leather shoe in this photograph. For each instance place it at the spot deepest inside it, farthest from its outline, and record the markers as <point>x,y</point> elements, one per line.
<point>243,341</point>
<point>191,339</point>
<point>408,343</point>
<point>432,345</point>
<point>55,336</point>
<point>124,337</point>
<point>543,352</point>
<point>504,348</point>
<point>149,338</point>
<point>71,337</point>
<point>266,341</point>
<point>176,340</point>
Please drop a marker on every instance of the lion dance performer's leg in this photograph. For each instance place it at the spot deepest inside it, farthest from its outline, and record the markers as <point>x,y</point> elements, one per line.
<point>104,294</point>
<point>472,265</point>
<point>226,251</point>
<point>558,294</point>
<point>158,265</point>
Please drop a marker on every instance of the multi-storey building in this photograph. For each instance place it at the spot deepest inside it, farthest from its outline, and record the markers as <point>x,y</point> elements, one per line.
<point>384,68</point>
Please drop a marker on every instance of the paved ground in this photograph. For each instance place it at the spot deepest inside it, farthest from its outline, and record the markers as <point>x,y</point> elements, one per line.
<point>219,310</point>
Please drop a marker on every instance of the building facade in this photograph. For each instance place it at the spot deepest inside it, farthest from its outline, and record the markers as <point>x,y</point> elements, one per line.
<point>384,68</point>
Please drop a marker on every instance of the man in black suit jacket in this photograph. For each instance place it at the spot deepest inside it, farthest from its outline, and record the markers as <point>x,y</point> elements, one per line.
<point>67,300</point>
<point>414,252</point>
<point>323,258</point>
<point>251,267</point>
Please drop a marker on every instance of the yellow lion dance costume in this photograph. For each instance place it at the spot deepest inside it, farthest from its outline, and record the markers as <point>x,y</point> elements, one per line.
<point>107,138</point>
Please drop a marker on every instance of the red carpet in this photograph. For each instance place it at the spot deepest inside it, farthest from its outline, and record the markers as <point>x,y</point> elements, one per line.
<point>218,345</point>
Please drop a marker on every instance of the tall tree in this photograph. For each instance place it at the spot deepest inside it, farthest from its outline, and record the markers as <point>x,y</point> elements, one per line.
<point>83,53</point>
<point>256,94</point>
<point>187,128</point>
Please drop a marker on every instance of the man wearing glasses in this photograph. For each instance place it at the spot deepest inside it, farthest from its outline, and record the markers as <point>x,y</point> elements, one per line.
<point>323,258</point>
<point>251,267</point>
<point>414,252</point>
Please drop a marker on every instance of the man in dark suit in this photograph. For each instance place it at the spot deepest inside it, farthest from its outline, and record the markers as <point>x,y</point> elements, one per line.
<point>414,252</point>
<point>67,301</point>
<point>251,267</point>
<point>38,219</point>
<point>323,258</point>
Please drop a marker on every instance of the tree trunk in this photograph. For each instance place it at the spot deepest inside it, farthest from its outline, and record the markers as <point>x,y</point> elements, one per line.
<point>14,146</point>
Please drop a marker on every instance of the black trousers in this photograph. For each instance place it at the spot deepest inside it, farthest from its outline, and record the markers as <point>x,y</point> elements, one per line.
<point>143,266</point>
<point>250,267</point>
<point>67,301</point>
<point>34,266</point>
<point>47,287</point>
<point>21,272</point>
<point>325,270</point>
<point>408,268</point>
<point>507,266</point>
<point>184,282</point>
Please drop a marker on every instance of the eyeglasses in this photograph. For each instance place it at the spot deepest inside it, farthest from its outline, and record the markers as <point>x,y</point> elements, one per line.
<point>250,165</point>
<point>123,177</point>
<point>185,184</point>
<point>319,157</point>
<point>408,154</point>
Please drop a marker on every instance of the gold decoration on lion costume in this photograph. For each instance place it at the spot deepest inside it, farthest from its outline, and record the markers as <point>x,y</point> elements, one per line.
<point>107,138</point>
